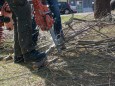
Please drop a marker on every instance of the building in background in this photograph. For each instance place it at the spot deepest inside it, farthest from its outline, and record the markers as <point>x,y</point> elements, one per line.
<point>87,5</point>
<point>80,5</point>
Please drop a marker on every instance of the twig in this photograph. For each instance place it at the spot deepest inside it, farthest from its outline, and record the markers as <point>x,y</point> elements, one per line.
<point>106,84</point>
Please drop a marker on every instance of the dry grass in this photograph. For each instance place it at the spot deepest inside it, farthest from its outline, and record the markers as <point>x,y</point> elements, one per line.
<point>71,69</point>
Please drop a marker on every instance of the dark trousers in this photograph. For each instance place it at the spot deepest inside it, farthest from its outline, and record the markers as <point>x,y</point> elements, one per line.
<point>22,26</point>
<point>56,14</point>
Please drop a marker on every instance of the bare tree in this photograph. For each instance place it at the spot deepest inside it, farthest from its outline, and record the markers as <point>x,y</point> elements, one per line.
<point>101,8</point>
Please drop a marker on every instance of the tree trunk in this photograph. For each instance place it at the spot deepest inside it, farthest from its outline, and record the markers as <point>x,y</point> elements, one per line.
<point>101,8</point>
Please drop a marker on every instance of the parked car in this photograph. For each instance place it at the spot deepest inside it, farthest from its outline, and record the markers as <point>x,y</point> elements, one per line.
<point>112,4</point>
<point>65,8</point>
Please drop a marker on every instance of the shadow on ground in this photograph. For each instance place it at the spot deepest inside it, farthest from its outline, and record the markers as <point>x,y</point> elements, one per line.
<point>84,69</point>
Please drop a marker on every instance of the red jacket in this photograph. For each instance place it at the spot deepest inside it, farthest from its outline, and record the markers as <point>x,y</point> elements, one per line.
<point>6,12</point>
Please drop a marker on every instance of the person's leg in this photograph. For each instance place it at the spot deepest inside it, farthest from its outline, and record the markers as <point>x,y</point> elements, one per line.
<point>57,24</point>
<point>23,12</point>
<point>18,57</point>
<point>21,8</point>
<point>17,49</point>
<point>56,15</point>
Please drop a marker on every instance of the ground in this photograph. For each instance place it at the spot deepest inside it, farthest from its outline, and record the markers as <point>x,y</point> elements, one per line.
<point>71,69</point>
